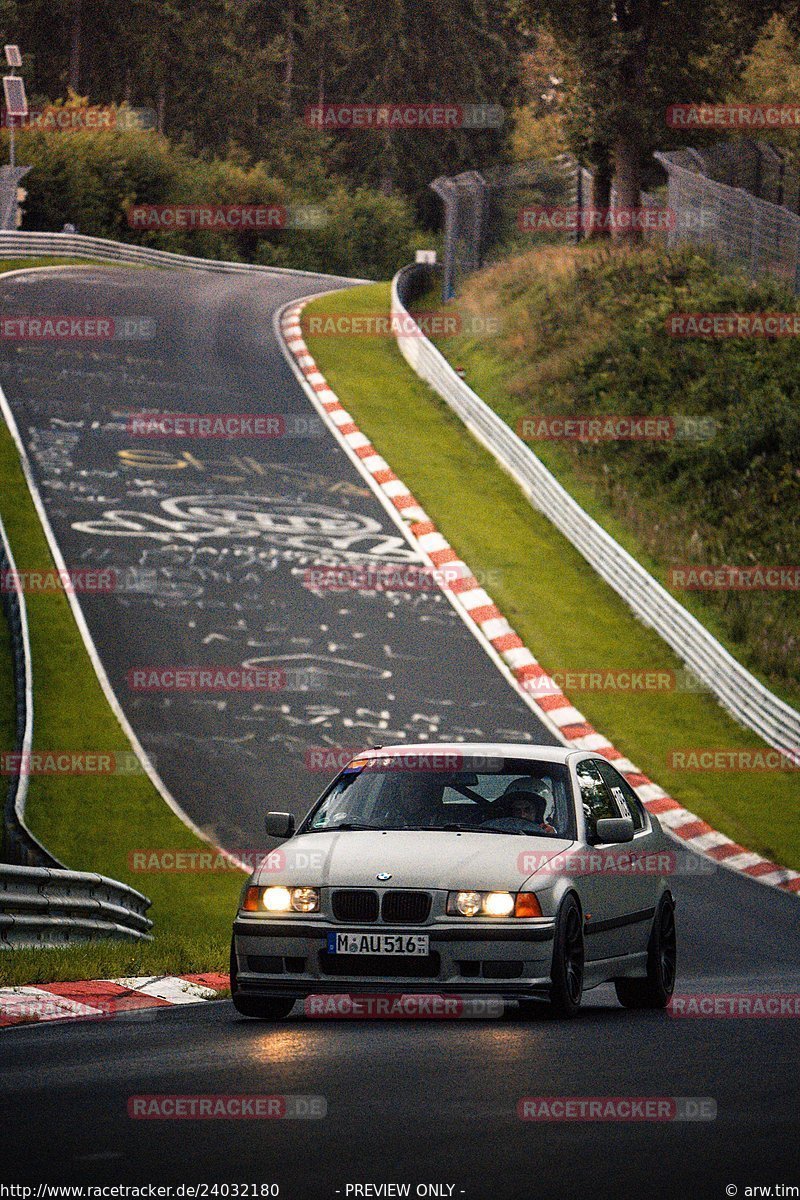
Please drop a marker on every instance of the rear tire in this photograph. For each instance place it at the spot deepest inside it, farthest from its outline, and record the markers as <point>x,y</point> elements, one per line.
<point>655,990</point>
<point>566,974</point>
<point>265,1008</point>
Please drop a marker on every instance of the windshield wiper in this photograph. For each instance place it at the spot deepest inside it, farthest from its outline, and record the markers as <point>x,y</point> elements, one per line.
<point>469,829</point>
<point>348,825</point>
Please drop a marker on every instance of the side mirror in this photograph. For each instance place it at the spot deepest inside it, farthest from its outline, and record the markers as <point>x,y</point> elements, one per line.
<point>279,824</point>
<point>614,829</point>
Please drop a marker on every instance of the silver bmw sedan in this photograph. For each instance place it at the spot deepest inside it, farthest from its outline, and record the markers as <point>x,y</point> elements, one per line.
<point>520,871</point>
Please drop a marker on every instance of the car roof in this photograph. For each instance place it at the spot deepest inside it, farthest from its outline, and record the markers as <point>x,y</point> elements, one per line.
<point>511,750</point>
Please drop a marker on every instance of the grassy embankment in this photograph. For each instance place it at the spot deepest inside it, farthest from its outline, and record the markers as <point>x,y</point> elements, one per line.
<point>569,618</point>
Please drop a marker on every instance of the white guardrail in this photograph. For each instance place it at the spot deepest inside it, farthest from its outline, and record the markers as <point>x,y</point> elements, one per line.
<point>19,844</point>
<point>23,244</point>
<point>44,904</point>
<point>44,907</point>
<point>745,698</point>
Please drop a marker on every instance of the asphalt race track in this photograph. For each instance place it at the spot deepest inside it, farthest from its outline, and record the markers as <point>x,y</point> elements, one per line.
<point>211,542</point>
<point>214,547</point>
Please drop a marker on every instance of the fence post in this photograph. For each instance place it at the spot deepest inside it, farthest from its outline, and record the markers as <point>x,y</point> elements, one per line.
<point>579,202</point>
<point>755,235</point>
<point>444,190</point>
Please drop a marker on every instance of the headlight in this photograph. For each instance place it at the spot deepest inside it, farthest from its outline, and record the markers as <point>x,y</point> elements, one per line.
<point>305,899</point>
<point>484,904</point>
<point>498,904</point>
<point>493,904</point>
<point>468,904</point>
<point>279,899</point>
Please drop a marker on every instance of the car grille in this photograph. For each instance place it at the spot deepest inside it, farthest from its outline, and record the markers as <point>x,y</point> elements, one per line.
<point>355,905</point>
<point>406,908</point>
<point>358,966</point>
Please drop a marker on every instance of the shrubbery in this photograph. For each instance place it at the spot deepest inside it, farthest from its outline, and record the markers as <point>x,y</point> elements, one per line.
<point>91,179</point>
<point>586,334</point>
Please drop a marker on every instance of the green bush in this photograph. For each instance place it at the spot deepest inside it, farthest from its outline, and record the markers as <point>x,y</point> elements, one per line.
<point>92,177</point>
<point>585,333</point>
<point>363,234</point>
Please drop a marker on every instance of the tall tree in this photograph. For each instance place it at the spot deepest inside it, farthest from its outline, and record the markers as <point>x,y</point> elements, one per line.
<point>635,58</point>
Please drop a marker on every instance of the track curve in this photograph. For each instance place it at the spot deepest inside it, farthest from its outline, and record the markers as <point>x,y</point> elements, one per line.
<point>407,1101</point>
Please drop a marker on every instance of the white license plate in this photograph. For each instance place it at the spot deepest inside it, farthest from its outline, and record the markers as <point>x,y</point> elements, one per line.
<point>378,943</point>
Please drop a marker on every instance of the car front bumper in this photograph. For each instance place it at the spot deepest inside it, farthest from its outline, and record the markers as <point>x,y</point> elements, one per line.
<point>289,958</point>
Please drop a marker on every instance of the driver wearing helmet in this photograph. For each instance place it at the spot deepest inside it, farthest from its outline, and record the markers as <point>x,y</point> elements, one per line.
<point>527,800</point>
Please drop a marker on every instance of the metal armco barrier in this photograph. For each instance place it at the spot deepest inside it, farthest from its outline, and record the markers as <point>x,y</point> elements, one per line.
<point>42,904</point>
<point>19,844</point>
<point>42,907</point>
<point>737,690</point>
<point>22,244</point>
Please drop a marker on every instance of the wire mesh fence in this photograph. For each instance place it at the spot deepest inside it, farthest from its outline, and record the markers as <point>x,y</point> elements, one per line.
<point>753,164</point>
<point>465,199</point>
<point>763,238</point>
<point>734,198</point>
<point>482,211</point>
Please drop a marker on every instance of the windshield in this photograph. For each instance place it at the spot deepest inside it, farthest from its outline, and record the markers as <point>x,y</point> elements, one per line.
<point>520,796</point>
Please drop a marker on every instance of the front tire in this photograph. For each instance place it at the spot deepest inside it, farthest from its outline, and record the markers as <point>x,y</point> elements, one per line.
<point>655,990</point>
<point>264,1008</point>
<point>566,974</point>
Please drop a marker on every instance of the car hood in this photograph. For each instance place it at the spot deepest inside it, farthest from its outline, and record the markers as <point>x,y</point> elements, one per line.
<point>412,859</point>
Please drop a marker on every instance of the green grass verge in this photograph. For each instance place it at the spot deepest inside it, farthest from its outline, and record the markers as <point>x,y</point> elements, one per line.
<point>19,264</point>
<point>584,332</point>
<point>168,954</point>
<point>92,822</point>
<point>7,703</point>
<point>563,611</point>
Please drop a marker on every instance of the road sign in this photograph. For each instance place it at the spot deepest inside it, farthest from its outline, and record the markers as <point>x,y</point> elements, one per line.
<point>16,100</point>
<point>13,56</point>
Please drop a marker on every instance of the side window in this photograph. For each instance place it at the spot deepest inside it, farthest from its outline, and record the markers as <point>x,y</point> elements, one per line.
<point>624,795</point>
<point>595,796</point>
